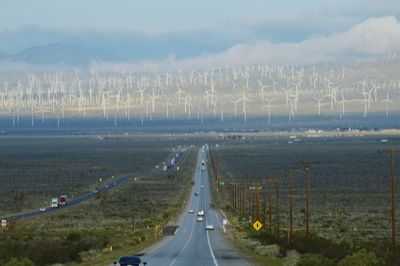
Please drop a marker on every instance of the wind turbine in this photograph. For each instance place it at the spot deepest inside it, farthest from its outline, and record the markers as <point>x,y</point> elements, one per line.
<point>387,101</point>
<point>261,89</point>
<point>243,100</point>
<point>319,100</point>
<point>342,103</point>
<point>367,102</point>
<point>268,106</point>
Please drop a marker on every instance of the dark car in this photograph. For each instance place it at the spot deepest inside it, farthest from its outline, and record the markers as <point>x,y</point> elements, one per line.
<point>130,261</point>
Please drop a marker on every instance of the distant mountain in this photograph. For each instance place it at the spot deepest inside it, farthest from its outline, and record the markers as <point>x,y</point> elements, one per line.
<point>57,53</point>
<point>5,56</point>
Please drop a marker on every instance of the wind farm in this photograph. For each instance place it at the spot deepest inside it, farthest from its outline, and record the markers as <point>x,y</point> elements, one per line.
<point>213,133</point>
<point>240,92</point>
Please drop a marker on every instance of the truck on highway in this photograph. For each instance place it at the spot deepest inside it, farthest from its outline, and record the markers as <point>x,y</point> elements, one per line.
<point>62,200</point>
<point>54,202</point>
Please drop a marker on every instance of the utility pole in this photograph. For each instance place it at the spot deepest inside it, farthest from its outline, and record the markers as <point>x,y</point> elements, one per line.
<point>233,196</point>
<point>307,166</point>
<point>264,206</point>
<point>238,197</point>
<point>277,206</point>
<point>235,186</point>
<point>253,199</point>
<point>249,199</point>
<point>255,188</point>
<point>270,205</point>
<point>290,203</point>
<point>257,208</point>
<point>392,154</point>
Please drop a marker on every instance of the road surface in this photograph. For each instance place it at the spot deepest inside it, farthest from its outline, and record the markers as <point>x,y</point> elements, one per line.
<point>83,198</point>
<point>193,245</point>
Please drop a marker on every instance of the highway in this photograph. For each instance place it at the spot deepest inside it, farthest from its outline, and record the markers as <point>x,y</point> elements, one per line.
<point>83,198</point>
<point>71,201</point>
<point>192,244</point>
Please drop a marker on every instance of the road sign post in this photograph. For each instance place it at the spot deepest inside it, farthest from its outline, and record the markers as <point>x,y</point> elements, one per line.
<point>257,225</point>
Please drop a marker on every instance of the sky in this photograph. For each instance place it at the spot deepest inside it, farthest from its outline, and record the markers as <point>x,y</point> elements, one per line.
<point>207,31</point>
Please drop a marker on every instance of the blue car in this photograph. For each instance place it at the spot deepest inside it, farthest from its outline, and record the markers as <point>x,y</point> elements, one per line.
<point>130,261</point>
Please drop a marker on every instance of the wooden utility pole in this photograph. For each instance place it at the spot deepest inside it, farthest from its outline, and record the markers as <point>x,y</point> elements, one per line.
<point>264,205</point>
<point>238,197</point>
<point>277,206</point>
<point>255,192</point>
<point>290,203</point>
<point>257,207</point>
<point>249,199</point>
<point>241,191</point>
<point>307,166</point>
<point>392,154</point>
<point>253,202</point>
<point>231,193</point>
<point>234,195</point>
<point>270,205</point>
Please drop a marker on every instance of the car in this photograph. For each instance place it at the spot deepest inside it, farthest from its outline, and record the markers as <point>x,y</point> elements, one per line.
<point>209,227</point>
<point>196,193</point>
<point>200,218</point>
<point>191,211</point>
<point>42,209</point>
<point>200,213</point>
<point>201,186</point>
<point>129,261</point>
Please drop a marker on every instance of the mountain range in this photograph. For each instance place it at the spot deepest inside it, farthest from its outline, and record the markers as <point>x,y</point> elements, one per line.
<point>58,53</point>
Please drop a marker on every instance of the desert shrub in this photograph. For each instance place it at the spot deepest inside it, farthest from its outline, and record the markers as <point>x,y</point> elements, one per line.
<point>140,235</point>
<point>268,251</point>
<point>309,259</point>
<point>135,240</point>
<point>73,236</point>
<point>19,262</point>
<point>291,259</point>
<point>361,258</point>
<point>318,244</point>
<point>249,243</point>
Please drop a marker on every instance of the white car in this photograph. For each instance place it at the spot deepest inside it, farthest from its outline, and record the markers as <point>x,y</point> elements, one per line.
<point>200,218</point>
<point>42,209</point>
<point>191,211</point>
<point>209,227</point>
<point>201,186</point>
<point>200,213</point>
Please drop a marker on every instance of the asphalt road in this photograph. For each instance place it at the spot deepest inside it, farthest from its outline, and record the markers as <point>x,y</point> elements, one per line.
<point>71,201</point>
<point>192,244</point>
<point>83,198</point>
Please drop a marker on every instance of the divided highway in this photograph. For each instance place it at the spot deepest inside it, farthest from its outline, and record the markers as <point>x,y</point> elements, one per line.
<point>192,244</point>
<point>83,198</point>
<point>71,201</point>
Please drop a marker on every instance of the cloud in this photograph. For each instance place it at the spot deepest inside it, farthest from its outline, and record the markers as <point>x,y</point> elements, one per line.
<point>372,37</point>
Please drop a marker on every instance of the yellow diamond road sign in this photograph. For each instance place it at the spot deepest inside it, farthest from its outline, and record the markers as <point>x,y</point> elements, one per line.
<point>257,225</point>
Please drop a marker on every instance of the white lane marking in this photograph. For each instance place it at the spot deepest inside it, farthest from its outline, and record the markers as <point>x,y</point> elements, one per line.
<point>205,206</point>
<point>181,221</point>
<point>187,242</point>
<point>212,253</point>
<point>216,216</point>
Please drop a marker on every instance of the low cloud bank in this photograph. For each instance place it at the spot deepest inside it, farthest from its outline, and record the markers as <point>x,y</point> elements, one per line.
<point>372,37</point>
